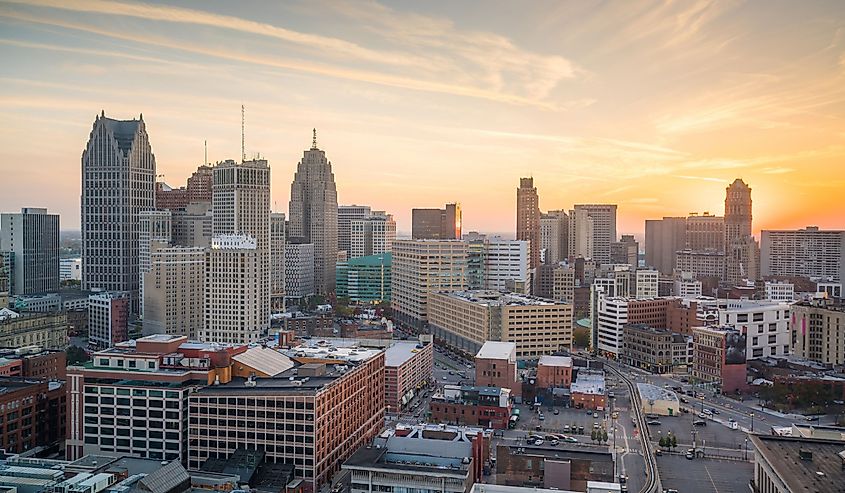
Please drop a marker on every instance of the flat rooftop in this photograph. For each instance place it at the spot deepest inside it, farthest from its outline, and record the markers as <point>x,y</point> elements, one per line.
<point>401,351</point>
<point>588,382</point>
<point>322,349</point>
<point>547,360</point>
<point>497,350</point>
<point>820,472</point>
<point>395,453</point>
<point>655,393</point>
<point>499,298</point>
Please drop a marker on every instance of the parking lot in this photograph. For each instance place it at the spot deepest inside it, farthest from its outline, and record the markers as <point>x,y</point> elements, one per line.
<point>704,475</point>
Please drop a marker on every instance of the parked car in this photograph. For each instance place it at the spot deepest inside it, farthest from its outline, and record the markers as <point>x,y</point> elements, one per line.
<point>554,442</point>
<point>690,455</point>
<point>595,415</point>
<point>714,410</point>
<point>653,422</point>
<point>699,422</point>
<point>542,417</point>
<point>658,452</point>
<point>707,412</point>
<point>566,428</point>
<point>556,412</point>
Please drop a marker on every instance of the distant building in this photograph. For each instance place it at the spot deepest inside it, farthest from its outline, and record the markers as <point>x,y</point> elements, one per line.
<point>372,235</point>
<point>808,252</point>
<point>554,237</point>
<point>277,260</point>
<point>154,232</point>
<point>365,279</point>
<point>70,269</point>
<point>818,330</point>
<point>528,218</point>
<point>118,182</point>
<point>705,232</point>
<point>422,267</point>
<point>408,367</point>
<point>488,407</point>
<point>299,268</point>
<point>563,284</point>
<point>108,318</point>
<point>589,390</point>
<point>686,287</point>
<point>192,226</point>
<point>779,291</point>
<point>742,254</point>
<point>506,261</point>
<point>174,291</point>
<point>467,319</point>
<point>32,235</point>
<point>701,263</point>
<point>604,228</point>
<point>33,362</point>
<point>794,464</point>
<point>625,251</point>
<point>581,241</point>
<point>664,237</point>
<point>495,366</point>
<point>562,468</point>
<point>436,224</point>
<point>647,283</point>
<point>48,330</point>
<point>345,215</point>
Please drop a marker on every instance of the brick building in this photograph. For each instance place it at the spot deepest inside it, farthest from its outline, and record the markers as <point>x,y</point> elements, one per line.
<point>554,372</point>
<point>34,414</point>
<point>488,407</point>
<point>33,362</point>
<point>495,366</point>
<point>408,367</point>
<point>558,468</point>
<point>588,390</point>
<point>719,358</point>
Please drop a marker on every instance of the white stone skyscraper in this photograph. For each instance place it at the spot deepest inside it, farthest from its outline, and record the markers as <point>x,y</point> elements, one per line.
<point>241,233</point>
<point>313,213</point>
<point>118,182</point>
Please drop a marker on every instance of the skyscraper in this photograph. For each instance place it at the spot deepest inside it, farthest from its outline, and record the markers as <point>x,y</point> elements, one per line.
<point>372,235</point>
<point>118,182</point>
<point>155,231</point>
<point>241,233</point>
<point>664,237</point>
<point>436,224</point>
<point>741,250</point>
<point>554,236</point>
<point>313,213</point>
<point>32,237</point>
<point>604,228</point>
<point>581,234</point>
<point>528,218</point>
<point>277,260</point>
<point>345,215</point>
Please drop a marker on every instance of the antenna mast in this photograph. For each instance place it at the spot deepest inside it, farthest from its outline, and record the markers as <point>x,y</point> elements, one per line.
<point>243,147</point>
<point>205,156</point>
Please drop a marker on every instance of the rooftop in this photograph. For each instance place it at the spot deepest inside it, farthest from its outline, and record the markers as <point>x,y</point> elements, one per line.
<point>265,360</point>
<point>655,393</point>
<point>400,352</point>
<point>497,350</point>
<point>547,360</point>
<point>499,298</point>
<point>804,464</point>
<point>588,382</point>
<point>415,454</point>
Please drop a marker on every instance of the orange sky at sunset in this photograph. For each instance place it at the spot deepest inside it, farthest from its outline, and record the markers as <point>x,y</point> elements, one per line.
<point>656,106</point>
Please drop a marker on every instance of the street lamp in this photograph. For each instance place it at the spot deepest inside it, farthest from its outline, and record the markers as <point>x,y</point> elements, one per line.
<point>752,422</point>
<point>745,457</point>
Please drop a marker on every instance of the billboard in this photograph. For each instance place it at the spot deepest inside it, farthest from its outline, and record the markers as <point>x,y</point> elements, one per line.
<point>735,344</point>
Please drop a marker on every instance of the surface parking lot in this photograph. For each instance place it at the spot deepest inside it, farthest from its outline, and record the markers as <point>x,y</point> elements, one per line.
<point>704,475</point>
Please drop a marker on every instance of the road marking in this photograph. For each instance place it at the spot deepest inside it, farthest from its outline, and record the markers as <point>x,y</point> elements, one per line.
<point>707,470</point>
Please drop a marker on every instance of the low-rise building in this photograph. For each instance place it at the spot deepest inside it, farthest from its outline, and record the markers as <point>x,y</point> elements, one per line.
<point>108,318</point>
<point>488,407</point>
<point>554,372</point>
<point>364,279</point>
<point>495,366</point>
<point>408,367</point>
<point>765,324</point>
<point>33,362</point>
<point>658,400</point>
<point>444,459</point>
<point>48,330</point>
<point>785,464</point>
<point>70,269</point>
<point>652,349</point>
<point>588,390</point>
<point>312,416</point>
<point>34,414</point>
<point>467,319</point>
<point>719,358</point>
<point>561,468</point>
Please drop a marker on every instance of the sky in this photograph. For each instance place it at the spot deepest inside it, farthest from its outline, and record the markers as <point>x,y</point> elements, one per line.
<point>653,105</point>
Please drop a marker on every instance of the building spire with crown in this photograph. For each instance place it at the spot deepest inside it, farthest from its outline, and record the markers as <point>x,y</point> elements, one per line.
<point>314,140</point>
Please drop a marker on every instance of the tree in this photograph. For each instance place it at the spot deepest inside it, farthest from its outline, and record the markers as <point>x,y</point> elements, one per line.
<point>604,436</point>
<point>674,443</point>
<point>581,337</point>
<point>594,435</point>
<point>662,442</point>
<point>76,355</point>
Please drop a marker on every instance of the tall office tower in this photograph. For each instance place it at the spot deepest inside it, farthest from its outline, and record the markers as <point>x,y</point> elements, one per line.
<point>299,268</point>
<point>108,318</point>
<point>345,215</point>
<point>625,251</point>
<point>241,207</point>
<point>741,251</point>
<point>154,230</point>
<point>237,303</point>
<point>436,224</point>
<point>192,226</point>
<point>604,228</point>
<point>372,235</point>
<point>6,260</point>
<point>277,260</point>
<point>664,237</point>
<point>554,236</point>
<point>118,182</point>
<point>313,213</point>
<point>421,267</point>
<point>705,232</point>
<point>528,218</point>
<point>808,252</point>
<point>174,291</point>
<point>581,234</point>
<point>33,237</point>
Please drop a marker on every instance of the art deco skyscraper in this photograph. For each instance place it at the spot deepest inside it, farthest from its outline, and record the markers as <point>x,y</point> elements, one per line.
<point>741,250</point>
<point>118,182</point>
<point>528,218</point>
<point>313,213</point>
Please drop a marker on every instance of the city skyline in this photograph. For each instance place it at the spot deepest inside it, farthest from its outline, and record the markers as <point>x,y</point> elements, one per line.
<point>574,98</point>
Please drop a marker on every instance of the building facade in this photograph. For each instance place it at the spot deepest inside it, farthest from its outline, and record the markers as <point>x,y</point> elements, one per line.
<point>664,237</point>
<point>277,260</point>
<point>365,279</point>
<point>495,366</point>
<point>765,324</point>
<point>700,263</point>
<point>719,358</point>
<point>436,224</point>
<point>155,231</point>
<point>345,215</point>
<point>34,414</point>
<point>741,250</point>
<point>554,237</point>
<point>818,330</point>
<point>47,330</point>
<point>528,218</point>
<point>652,349</point>
<point>808,252</point>
<point>174,291</point>
<point>299,268</point>
<point>604,228</point>
<point>32,235</point>
<point>705,232</point>
<point>506,264</point>
<point>372,235</point>
<point>108,318</point>
<point>118,182</point>
<point>488,407</point>
<point>408,368</point>
<point>647,281</point>
<point>422,267</point>
<point>70,269</point>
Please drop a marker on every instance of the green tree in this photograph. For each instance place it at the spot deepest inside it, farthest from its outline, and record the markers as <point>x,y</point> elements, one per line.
<point>604,436</point>
<point>674,442</point>
<point>581,337</point>
<point>662,442</point>
<point>76,355</point>
<point>594,435</point>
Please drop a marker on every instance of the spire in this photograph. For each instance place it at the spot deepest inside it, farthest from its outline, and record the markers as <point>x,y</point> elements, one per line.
<point>314,140</point>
